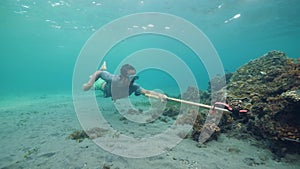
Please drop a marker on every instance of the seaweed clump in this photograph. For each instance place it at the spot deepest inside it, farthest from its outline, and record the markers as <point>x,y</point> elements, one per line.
<point>80,135</point>
<point>269,87</point>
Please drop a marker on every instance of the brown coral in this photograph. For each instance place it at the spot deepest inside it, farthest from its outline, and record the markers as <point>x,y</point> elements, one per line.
<point>271,85</point>
<point>188,118</point>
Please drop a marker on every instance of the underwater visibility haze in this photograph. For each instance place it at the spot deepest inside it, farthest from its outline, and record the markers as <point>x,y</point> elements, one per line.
<point>48,122</point>
<point>41,40</point>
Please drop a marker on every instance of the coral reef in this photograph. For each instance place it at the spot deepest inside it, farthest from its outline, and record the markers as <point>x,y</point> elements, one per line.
<point>188,118</point>
<point>269,87</point>
<point>266,89</point>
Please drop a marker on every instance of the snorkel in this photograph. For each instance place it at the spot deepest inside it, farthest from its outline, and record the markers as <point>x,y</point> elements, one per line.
<point>133,77</point>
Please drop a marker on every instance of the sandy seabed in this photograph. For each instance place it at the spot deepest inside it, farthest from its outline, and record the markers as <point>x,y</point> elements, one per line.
<point>35,129</point>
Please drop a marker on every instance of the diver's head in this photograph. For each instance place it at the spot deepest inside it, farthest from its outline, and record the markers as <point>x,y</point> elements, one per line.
<point>128,73</point>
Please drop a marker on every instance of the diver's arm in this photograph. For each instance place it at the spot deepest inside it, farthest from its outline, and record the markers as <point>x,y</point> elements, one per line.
<point>153,93</point>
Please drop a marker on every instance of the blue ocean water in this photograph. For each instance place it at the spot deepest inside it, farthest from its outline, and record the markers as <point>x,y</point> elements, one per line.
<point>41,40</point>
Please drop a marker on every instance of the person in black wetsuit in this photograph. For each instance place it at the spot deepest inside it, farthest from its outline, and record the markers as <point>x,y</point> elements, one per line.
<point>118,86</point>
